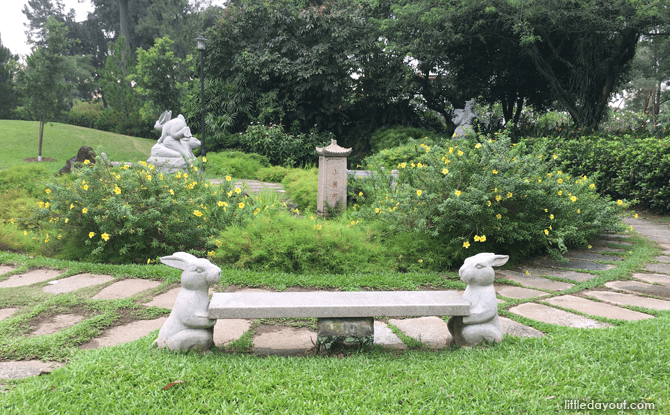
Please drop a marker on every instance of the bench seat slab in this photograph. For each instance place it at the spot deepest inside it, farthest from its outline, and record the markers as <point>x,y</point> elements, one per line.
<point>323,304</point>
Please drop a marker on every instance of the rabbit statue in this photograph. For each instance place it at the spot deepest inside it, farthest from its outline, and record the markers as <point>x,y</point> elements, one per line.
<point>174,149</point>
<point>189,327</point>
<point>482,323</point>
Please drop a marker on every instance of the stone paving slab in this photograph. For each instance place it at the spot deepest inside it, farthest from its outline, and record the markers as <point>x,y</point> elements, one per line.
<point>559,273</point>
<point>650,229</point>
<point>605,249</point>
<point>30,277</point>
<point>612,236</point>
<point>228,330</point>
<point>7,312</point>
<point>534,282</point>
<point>591,256</point>
<point>662,268</point>
<point>75,283</point>
<point>25,368</point>
<point>514,328</point>
<point>517,292</point>
<point>432,331</point>
<point>6,268</point>
<point>165,300</point>
<point>574,264</point>
<point>662,258</point>
<point>285,341</point>
<point>628,299</point>
<point>126,333</point>
<point>550,315</point>
<point>125,288</point>
<point>595,308</point>
<point>56,323</point>
<point>636,287</point>
<point>654,278</point>
<point>386,338</point>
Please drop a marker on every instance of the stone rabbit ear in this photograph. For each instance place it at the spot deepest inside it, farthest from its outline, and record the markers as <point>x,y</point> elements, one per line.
<point>179,260</point>
<point>499,260</point>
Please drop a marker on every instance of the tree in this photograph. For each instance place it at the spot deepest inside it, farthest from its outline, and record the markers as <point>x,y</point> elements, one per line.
<point>43,83</point>
<point>118,91</point>
<point>8,68</point>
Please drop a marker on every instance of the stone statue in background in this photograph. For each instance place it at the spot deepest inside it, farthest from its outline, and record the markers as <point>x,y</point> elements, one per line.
<point>189,327</point>
<point>463,118</point>
<point>482,323</point>
<point>174,150</point>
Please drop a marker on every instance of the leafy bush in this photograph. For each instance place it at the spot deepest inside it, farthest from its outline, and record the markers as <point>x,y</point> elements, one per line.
<point>302,187</point>
<point>132,124</point>
<point>488,197</point>
<point>13,204</point>
<point>235,163</point>
<point>28,177</point>
<point>132,214</point>
<point>282,148</point>
<point>389,137</point>
<point>622,166</point>
<point>283,242</point>
<point>414,151</point>
<point>273,174</point>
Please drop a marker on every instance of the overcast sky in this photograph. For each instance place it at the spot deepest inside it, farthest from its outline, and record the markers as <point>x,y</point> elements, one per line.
<point>12,29</point>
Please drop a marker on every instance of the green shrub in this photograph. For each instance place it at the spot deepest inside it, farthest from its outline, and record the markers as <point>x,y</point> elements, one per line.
<point>284,242</point>
<point>302,187</point>
<point>414,151</point>
<point>132,214</point>
<point>273,174</point>
<point>282,148</point>
<point>489,197</point>
<point>389,137</point>
<point>235,163</point>
<point>27,177</point>
<point>621,166</point>
<point>107,119</point>
<point>15,203</point>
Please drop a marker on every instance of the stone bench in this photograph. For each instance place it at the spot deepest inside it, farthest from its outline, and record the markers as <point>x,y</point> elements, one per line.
<point>342,316</point>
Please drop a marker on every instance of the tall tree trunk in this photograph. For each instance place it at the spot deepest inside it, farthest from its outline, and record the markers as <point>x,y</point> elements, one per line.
<point>39,145</point>
<point>125,29</point>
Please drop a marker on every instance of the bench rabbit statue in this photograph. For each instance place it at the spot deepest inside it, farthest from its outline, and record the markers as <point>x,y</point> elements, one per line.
<point>174,149</point>
<point>482,323</point>
<point>189,327</point>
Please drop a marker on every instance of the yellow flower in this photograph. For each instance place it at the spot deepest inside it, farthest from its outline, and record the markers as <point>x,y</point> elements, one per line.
<point>482,238</point>
<point>460,153</point>
<point>197,213</point>
<point>466,244</point>
<point>84,210</point>
<point>560,192</point>
<point>105,236</point>
<point>148,261</point>
<point>85,187</point>
<point>476,238</point>
<point>445,171</point>
<point>144,163</point>
<point>204,159</point>
<point>546,231</point>
<point>498,197</point>
<point>458,192</point>
<point>555,156</point>
<point>171,192</point>
<point>403,165</point>
<point>551,216</point>
<point>195,168</point>
<point>495,171</point>
<point>451,150</point>
<point>219,203</point>
<point>592,185</point>
<point>539,180</point>
<point>230,193</point>
<point>560,181</point>
<point>419,165</point>
<point>185,175</point>
<point>589,247</point>
<point>376,210</point>
<point>360,193</point>
<point>353,223</point>
<point>117,190</point>
<point>499,216</point>
<point>579,211</point>
<point>238,190</point>
<point>71,206</point>
<point>67,220</point>
<point>46,206</point>
<point>635,216</point>
<point>488,203</point>
<point>47,191</point>
<point>87,162</point>
<point>509,194</point>
<point>413,165</point>
<point>573,198</point>
<point>240,205</point>
<point>420,261</point>
<point>91,234</point>
<point>419,192</point>
<point>478,145</point>
<point>619,202</point>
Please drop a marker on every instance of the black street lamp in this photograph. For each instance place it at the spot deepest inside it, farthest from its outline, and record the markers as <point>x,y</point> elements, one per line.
<point>201,47</point>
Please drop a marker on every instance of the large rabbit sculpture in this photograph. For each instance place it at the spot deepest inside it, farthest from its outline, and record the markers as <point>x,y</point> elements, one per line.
<point>189,327</point>
<point>176,144</point>
<point>482,323</point>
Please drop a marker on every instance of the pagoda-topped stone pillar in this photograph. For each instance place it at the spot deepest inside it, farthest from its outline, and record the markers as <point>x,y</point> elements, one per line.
<point>332,192</point>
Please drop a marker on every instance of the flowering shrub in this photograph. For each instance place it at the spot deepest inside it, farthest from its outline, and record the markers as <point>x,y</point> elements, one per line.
<point>623,167</point>
<point>488,197</point>
<point>134,213</point>
<point>236,163</point>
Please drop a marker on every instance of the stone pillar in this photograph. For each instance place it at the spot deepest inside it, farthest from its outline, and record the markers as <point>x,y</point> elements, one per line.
<point>332,177</point>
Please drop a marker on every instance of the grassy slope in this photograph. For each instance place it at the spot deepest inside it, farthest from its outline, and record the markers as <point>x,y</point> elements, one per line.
<point>19,140</point>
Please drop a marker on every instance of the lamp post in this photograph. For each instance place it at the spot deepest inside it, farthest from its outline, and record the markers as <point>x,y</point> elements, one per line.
<point>201,47</point>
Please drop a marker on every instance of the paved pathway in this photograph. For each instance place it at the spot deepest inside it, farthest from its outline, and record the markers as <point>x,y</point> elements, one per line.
<point>537,288</point>
<point>254,186</point>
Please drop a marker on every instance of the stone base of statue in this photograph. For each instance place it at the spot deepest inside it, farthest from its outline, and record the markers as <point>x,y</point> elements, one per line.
<point>169,164</point>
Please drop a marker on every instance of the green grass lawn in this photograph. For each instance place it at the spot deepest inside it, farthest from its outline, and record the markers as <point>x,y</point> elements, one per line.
<point>19,141</point>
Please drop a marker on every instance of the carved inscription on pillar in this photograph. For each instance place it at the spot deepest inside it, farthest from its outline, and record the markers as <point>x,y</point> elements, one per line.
<point>332,192</point>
